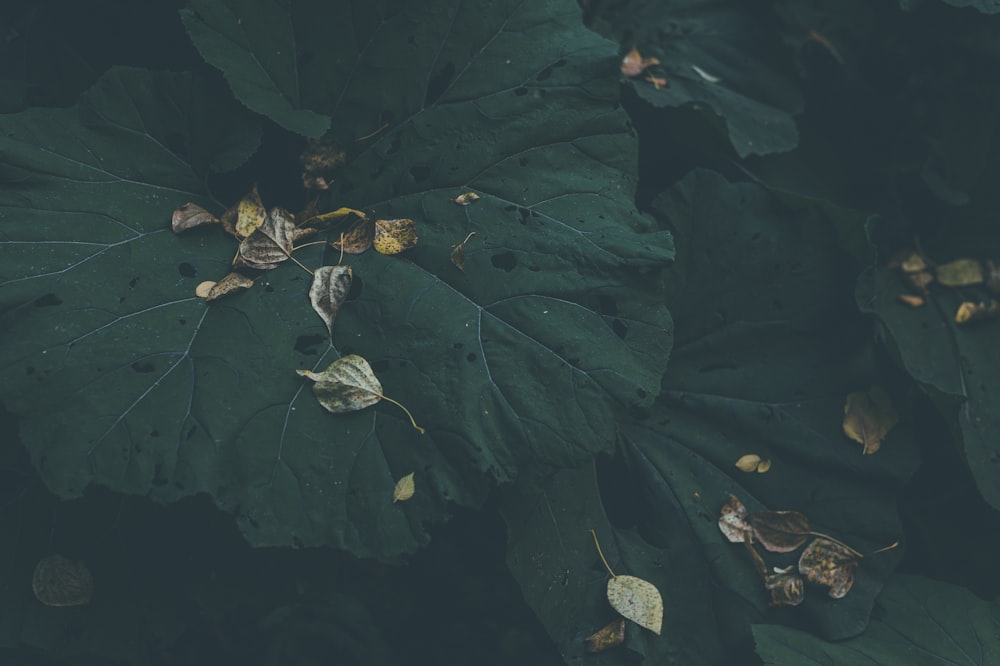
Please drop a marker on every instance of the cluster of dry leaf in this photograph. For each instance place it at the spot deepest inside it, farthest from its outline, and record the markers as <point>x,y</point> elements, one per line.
<point>920,273</point>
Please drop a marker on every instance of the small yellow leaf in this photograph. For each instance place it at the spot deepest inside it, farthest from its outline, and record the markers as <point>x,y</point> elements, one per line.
<point>394,236</point>
<point>250,214</point>
<point>637,600</point>
<point>404,489</point>
<point>466,199</point>
<point>969,312</point>
<point>960,273</point>
<point>868,418</point>
<point>763,466</point>
<point>204,288</point>
<point>914,263</point>
<point>748,463</point>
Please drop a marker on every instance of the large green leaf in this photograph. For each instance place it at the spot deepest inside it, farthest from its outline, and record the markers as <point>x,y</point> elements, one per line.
<point>522,361</point>
<point>768,345</point>
<point>916,621</point>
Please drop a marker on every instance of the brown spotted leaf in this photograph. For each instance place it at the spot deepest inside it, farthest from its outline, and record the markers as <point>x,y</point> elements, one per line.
<point>828,563</point>
<point>786,587</point>
<point>637,600</point>
<point>732,520</point>
<point>270,244</point>
<point>609,636</point>
<point>329,288</point>
<point>347,385</point>
<point>780,531</point>
<point>357,239</point>
<point>231,282</point>
<point>250,214</point>
<point>394,236</point>
<point>190,216</point>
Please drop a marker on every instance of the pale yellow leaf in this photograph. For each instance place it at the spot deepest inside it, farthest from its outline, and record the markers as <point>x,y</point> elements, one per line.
<point>404,489</point>
<point>637,600</point>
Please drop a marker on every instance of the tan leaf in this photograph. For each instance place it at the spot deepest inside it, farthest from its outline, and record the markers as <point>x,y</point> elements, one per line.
<point>190,216</point>
<point>59,581</point>
<point>732,520</point>
<point>657,81</point>
<point>868,418</point>
<point>270,244</point>
<point>394,236</point>
<point>357,239</point>
<point>764,466</point>
<point>333,215</point>
<point>637,600</point>
<point>250,214</point>
<point>911,300</point>
<point>960,273</point>
<point>748,463</point>
<point>231,282</point>
<point>779,531</point>
<point>319,159</point>
<point>458,252</point>
<point>913,263</point>
<point>404,489</point>
<point>786,587</point>
<point>204,288</point>
<point>329,288</point>
<point>826,562</point>
<point>609,636</point>
<point>633,64</point>
<point>466,199</point>
<point>970,313</point>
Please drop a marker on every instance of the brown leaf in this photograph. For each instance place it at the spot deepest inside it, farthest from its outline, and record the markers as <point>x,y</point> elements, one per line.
<point>657,81</point>
<point>633,64</point>
<point>466,199</point>
<point>458,252</point>
<point>231,282</point>
<point>270,244</point>
<point>394,236</point>
<point>960,273</point>
<point>826,562</point>
<point>329,288</point>
<point>732,520</point>
<point>59,581</point>
<point>190,216</point>
<point>319,159</point>
<point>357,239</point>
<point>913,263</point>
<point>609,636</point>
<point>779,531</point>
<point>970,313</point>
<point>228,219</point>
<point>786,587</point>
<point>250,213</point>
<point>911,300</point>
<point>868,418</point>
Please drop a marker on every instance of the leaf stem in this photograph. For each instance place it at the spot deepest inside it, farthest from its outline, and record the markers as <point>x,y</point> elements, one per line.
<point>398,404</point>
<point>601,553</point>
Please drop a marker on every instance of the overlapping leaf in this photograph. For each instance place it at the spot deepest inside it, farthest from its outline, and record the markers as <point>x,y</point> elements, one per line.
<point>526,357</point>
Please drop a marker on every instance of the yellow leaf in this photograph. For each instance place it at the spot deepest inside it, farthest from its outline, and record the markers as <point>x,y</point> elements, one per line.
<point>960,273</point>
<point>394,236</point>
<point>250,214</point>
<point>204,288</point>
<point>868,418</point>
<point>227,285</point>
<point>466,199</point>
<point>637,600</point>
<point>763,466</point>
<point>748,463</point>
<point>270,243</point>
<point>404,489</point>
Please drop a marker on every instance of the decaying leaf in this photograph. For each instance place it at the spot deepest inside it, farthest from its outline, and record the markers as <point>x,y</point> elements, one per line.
<point>204,288</point>
<point>458,252</point>
<point>466,199</point>
<point>868,418</point>
<point>970,313</point>
<point>912,300</point>
<point>270,244</point>
<point>913,263</point>
<point>357,239</point>
<point>319,159</point>
<point>250,214</point>
<point>333,215</point>
<point>733,520</point>
<point>633,64</point>
<point>752,462</point>
<point>786,587</point>
<point>829,563</point>
<point>404,489</point>
<point>960,273</point>
<point>329,288</point>
<point>190,216</point>
<point>231,282</point>
<point>348,385</point>
<point>779,531</point>
<point>634,598</point>
<point>394,236</point>
<point>59,581</point>
<point>609,636</point>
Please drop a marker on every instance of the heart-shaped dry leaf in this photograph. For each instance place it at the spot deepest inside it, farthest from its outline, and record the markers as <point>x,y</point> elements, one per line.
<point>826,562</point>
<point>780,531</point>
<point>329,288</point>
<point>394,236</point>
<point>868,417</point>
<point>357,239</point>
<point>637,600</point>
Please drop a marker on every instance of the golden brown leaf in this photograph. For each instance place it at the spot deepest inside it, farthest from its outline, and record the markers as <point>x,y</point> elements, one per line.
<point>609,636</point>
<point>970,313</point>
<point>633,64</point>
<point>826,562</point>
<point>911,300</point>
<point>270,244</point>
<point>960,273</point>
<point>458,252</point>
<point>357,239</point>
<point>657,81</point>
<point>466,199</point>
<point>250,214</point>
<point>190,216</point>
<point>329,288</point>
<point>748,463</point>
<point>868,418</point>
<point>231,282</point>
<point>404,489</point>
<point>786,587</point>
<point>394,236</point>
<point>204,288</point>
<point>913,263</point>
<point>59,581</point>
<point>764,465</point>
<point>732,520</point>
<point>779,531</point>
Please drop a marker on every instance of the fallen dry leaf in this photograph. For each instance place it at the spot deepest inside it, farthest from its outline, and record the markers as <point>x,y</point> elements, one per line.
<point>231,282</point>
<point>911,300</point>
<point>328,290</point>
<point>609,636</point>
<point>190,216</point>
<point>204,288</point>
<point>970,313</point>
<point>357,239</point>
<point>634,598</point>
<point>394,236</point>
<point>786,587</point>
<point>868,418</point>
<point>779,531</point>
<point>458,252</point>
<point>250,213</point>
<point>826,562</point>
<point>404,489</point>
<point>633,64</point>
<point>732,520</point>
<point>466,199</point>
<point>960,273</point>
<point>748,463</point>
<point>269,244</point>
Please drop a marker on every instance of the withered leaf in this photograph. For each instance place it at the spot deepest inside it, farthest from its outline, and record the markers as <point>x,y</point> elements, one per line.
<point>190,216</point>
<point>270,244</point>
<point>329,288</point>
<point>970,313</point>
<point>912,300</point>
<point>633,64</point>
<point>394,236</point>
<point>357,239</point>
<point>779,531</point>
<point>458,252</point>
<point>250,213</point>
<point>732,520</point>
<point>466,199</point>
<point>868,418</point>
<point>204,288</point>
<point>319,159</point>
<point>826,562</point>
<point>404,489</point>
<point>960,273</point>
<point>913,263</point>
<point>763,466</point>
<point>752,462</point>
<point>637,600</point>
<point>231,282</point>
<point>609,636</point>
<point>59,581</point>
<point>333,215</point>
<point>786,587</point>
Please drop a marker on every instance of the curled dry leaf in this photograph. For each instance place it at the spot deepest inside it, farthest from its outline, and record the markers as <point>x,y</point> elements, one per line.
<point>250,214</point>
<point>204,288</point>
<point>394,236</point>
<point>270,244</point>
<point>231,282</point>
<point>633,64</point>
<point>190,216</point>
<point>786,587</point>
<point>357,239</point>
<point>329,288</point>
<point>732,520</point>
<point>609,636</point>
<point>779,531</point>
<point>970,313</point>
<point>868,418</point>
<point>458,252</point>
<point>466,199</point>
<point>637,600</point>
<point>404,489</point>
<point>960,273</point>
<point>59,581</point>
<point>829,563</point>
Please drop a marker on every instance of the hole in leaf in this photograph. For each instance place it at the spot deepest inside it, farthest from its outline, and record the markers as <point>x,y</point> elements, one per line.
<point>47,300</point>
<point>470,357</point>
<point>306,344</point>
<point>184,268</point>
<point>439,83</point>
<point>143,367</point>
<point>504,261</point>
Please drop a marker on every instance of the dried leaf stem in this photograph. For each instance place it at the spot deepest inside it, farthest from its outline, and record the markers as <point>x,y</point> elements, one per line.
<point>601,553</point>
